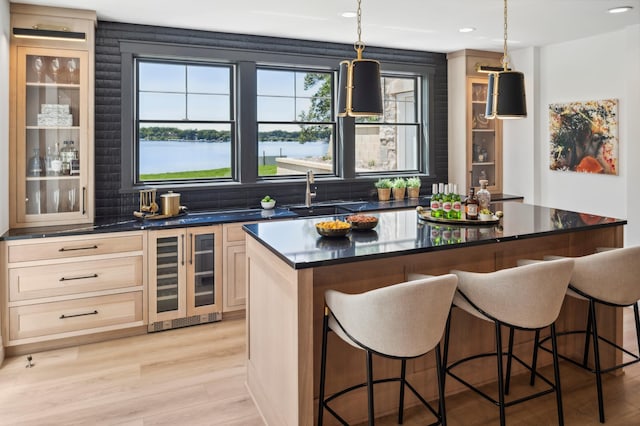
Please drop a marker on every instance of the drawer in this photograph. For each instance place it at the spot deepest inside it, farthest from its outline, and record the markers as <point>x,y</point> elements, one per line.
<point>74,247</point>
<point>75,277</point>
<point>234,232</point>
<point>77,315</point>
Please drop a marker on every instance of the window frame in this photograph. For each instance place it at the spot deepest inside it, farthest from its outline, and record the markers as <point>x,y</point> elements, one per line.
<point>333,123</point>
<point>232,121</point>
<point>246,60</point>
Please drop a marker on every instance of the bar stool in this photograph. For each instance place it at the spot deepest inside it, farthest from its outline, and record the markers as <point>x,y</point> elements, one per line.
<point>612,278</point>
<point>526,297</point>
<point>401,321</point>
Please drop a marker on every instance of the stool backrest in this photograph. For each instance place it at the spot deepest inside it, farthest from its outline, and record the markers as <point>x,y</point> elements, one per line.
<point>528,296</point>
<point>402,320</point>
<point>612,276</point>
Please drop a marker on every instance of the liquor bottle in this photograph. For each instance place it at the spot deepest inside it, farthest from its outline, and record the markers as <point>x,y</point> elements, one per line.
<point>471,205</point>
<point>483,195</point>
<point>74,162</point>
<point>66,155</point>
<point>456,203</point>
<point>56,161</point>
<point>446,202</point>
<point>435,201</point>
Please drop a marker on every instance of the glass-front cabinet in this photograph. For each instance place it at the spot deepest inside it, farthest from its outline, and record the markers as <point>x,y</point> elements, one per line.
<point>484,147</point>
<point>51,133</point>
<point>185,276</point>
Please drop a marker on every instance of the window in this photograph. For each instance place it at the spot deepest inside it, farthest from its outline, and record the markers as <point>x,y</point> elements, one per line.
<point>185,121</point>
<point>296,127</point>
<point>391,143</point>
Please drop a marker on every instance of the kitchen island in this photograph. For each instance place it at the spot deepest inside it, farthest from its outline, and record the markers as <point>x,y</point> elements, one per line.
<point>289,267</point>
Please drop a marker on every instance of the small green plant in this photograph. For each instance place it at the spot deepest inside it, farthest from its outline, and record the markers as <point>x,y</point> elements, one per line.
<point>384,183</point>
<point>399,183</point>
<point>413,182</point>
<point>266,199</point>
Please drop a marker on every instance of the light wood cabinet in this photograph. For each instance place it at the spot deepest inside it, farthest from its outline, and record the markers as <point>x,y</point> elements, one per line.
<point>233,274</point>
<point>51,116</point>
<point>475,142</point>
<point>70,287</point>
<point>184,276</point>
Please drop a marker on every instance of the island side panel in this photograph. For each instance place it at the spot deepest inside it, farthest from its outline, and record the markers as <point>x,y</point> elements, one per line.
<point>279,337</point>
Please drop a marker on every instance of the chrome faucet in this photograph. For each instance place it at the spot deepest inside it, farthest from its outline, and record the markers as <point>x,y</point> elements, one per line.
<point>309,195</point>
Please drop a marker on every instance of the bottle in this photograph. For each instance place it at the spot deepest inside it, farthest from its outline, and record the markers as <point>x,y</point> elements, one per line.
<point>446,202</point>
<point>56,161</point>
<point>471,205</point>
<point>456,203</point>
<point>47,161</point>
<point>435,201</point>
<point>35,164</point>
<point>74,162</point>
<point>65,155</point>
<point>483,195</point>
<point>441,199</point>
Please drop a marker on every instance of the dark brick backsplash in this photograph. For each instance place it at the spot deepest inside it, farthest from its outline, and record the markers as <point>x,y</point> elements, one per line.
<point>110,202</point>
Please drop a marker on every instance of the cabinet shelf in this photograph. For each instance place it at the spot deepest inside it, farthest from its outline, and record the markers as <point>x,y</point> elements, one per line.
<point>52,178</point>
<point>485,163</point>
<point>54,85</point>
<point>52,127</point>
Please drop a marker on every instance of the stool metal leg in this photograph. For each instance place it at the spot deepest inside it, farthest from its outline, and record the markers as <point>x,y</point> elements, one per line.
<point>440,374</point>
<point>500,375</point>
<point>509,353</point>
<point>403,372</point>
<point>596,355</point>
<point>534,361</point>
<point>370,386</point>
<point>323,364</point>
<point>636,315</point>
<point>585,356</point>
<point>556,373</point>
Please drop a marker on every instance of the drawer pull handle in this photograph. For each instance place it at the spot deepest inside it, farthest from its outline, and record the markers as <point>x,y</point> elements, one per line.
<point>63,316</point>
<point>83,277</point>
<point>93,247</point>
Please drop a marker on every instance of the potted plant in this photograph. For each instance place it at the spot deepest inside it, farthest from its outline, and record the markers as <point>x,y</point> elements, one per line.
<point>399,188</point>
<point>384,189</point>
<point>267,202</point>
<point>413,187</point>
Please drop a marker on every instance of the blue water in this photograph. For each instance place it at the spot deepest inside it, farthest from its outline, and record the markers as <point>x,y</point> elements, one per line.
<point>179,156</point>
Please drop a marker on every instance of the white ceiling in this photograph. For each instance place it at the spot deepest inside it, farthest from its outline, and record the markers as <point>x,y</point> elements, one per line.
<point>430,25</point>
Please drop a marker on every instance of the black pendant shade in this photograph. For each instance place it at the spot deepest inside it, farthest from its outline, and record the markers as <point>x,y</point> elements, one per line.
<point>359,88</point>
<point>506,95</point>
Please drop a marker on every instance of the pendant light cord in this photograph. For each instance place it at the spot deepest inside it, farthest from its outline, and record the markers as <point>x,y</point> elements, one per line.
<point>359,45</point>
<point>505,55</point>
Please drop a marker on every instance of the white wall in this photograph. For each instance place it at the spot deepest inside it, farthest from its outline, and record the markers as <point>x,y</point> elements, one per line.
<point>4,131</point>
<point>602,67</point>
<point>4,115</point>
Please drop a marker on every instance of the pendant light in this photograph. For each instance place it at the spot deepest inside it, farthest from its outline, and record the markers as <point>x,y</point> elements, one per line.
<point>359,89</point>
<point>505,95</point>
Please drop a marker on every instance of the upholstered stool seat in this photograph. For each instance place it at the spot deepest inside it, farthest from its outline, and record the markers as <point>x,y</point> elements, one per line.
<point>401,321</point>
<point>610,277</point>
<point>526,297</point>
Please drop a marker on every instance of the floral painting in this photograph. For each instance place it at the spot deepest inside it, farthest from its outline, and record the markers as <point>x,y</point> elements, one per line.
<point>584,136</point>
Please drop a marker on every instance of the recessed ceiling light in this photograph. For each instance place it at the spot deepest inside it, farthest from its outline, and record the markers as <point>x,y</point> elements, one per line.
<point>349,14</point>
<point>621,9</point>
<point>467,30</point>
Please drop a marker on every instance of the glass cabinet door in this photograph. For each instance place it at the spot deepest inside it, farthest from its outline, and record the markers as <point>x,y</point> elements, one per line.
<point>485,156</point>
<point>203,273</point>
<point>51,135</point>
<point>203,282</point>
<point>168,272</point>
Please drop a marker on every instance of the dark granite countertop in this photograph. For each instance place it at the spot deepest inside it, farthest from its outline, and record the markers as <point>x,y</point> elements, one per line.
<point>217,217</point>
<point>402,232</point>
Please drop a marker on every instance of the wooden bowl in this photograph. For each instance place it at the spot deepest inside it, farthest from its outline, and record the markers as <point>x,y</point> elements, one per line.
<point>361,222</point>
<point>333,228</point>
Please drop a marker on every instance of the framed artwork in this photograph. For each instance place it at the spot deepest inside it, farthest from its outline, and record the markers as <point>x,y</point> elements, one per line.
<point>584,136</point>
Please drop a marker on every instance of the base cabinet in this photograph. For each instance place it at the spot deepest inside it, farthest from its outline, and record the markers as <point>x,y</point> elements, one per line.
<point>184,276</point>
<point>73,287</point>
<point>233,274</point>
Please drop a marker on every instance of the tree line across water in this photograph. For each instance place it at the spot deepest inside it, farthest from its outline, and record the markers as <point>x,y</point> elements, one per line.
<point>173,134</point>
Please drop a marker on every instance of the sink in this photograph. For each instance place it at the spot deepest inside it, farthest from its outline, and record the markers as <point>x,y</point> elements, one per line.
<point>317,210</point>
<point>326,209</point>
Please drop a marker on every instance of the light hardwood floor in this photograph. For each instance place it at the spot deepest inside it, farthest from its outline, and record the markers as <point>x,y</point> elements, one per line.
<point>195,376</point>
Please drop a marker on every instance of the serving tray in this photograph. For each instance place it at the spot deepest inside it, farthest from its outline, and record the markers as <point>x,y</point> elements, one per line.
<point>426,215</point>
